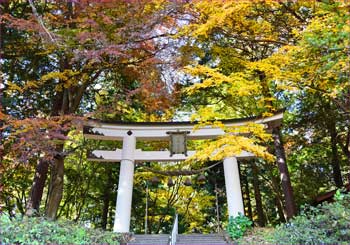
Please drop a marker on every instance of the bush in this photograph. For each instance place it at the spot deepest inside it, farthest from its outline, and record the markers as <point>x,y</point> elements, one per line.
<point>238,225</point>
<point>328,223</point>
<point>38,230</point>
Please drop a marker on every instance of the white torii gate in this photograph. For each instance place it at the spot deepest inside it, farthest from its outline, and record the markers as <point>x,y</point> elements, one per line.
<point>129,133</point>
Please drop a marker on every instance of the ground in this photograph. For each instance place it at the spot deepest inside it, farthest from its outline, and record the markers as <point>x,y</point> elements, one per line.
<point>255,236</point>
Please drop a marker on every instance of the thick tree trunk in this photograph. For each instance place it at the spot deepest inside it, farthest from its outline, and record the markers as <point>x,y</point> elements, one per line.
<point>284,173</point>
<point>246,195</point>
<point>40,177</point>
<point>335,158</point>
<point>257,195</point>
<point>55,187</point>
<point>37,189</point>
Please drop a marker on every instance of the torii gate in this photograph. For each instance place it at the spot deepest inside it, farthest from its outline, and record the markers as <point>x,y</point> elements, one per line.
<point>129,133</point>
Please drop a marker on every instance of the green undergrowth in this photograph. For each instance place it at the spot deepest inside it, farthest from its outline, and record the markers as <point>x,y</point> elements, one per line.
<point>38,230</point>
<point>328,223</point>
<point>238,225</point>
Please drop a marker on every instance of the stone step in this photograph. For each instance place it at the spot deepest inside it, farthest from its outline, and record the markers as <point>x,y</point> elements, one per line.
<point>182,239</point>
<point>201,242</point>
<point>150,239</point>
<point>213,239</point>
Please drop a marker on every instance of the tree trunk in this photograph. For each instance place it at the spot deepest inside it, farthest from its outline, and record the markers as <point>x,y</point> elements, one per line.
<point>56,186</point>
<point>106,197</point>
<point>346,146</point>
<point>1,120</point>
<point>217,208</point>
<point>278,198</point>
<point>257,195</point>
<point>284,173</point>
<point>280,210</point>
<point>55,192</point>
<point>105,211</point>
<point>335,158</point>
<point>111,212</point>
<point>249,212</point>
<point>277,193</point>
<point>37,189</point>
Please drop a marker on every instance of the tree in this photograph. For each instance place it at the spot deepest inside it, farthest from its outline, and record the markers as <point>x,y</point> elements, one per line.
<point>231,40</point>
<point>70,47</point>
<point>316,69</point>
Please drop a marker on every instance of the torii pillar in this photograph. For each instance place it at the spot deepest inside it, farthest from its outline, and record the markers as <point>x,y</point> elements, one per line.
<point>125,187</point>
<point>233,187</point>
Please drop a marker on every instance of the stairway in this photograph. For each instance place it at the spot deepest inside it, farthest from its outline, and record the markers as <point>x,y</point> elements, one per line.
<point>150,239</point>
<point>213,239</point>
<point>182,239</point>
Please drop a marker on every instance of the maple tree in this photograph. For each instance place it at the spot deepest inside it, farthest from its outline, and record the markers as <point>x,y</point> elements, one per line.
<point>68,47</point>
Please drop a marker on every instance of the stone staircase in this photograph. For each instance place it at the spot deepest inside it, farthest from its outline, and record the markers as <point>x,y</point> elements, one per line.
<point>182,239</point>
<point>213,239</point>
<point>149,239</point>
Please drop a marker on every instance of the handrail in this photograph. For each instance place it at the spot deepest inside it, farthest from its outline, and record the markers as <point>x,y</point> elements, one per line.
<point>174,230</point>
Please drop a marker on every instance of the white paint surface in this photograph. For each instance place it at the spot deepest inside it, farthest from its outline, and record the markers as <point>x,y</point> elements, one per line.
<point>159,132</point>
<point>233,187</point>
<point>149,156</point>
<point>125,187</point>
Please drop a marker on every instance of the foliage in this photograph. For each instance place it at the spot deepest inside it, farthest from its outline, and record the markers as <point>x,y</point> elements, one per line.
<point>238,225</point>
<point>24,230</point>
<point>319,62</point>
<point>315,71</point>
<point>60,59</point>
<point>33,137</point>
<point>110,44</point>
<point>165,200</point>
<point>324,224</point>
<point>229,42</point>
<point>251,57</point>
<point>68,48</point>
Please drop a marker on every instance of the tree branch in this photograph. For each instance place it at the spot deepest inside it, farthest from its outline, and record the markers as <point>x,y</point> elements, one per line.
<point>41,22</point>
<point>81,91</point>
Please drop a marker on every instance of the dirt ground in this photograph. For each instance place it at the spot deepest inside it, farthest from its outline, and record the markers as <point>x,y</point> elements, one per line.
<point>257,235</point>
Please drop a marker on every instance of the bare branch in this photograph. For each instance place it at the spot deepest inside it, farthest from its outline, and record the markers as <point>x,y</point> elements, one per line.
<point>41,22</point>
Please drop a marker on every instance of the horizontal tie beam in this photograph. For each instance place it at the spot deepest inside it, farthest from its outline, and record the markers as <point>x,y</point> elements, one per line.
<point>147,156</point>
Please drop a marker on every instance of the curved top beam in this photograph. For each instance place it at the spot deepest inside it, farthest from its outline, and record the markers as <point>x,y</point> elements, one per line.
<point>101,130</point>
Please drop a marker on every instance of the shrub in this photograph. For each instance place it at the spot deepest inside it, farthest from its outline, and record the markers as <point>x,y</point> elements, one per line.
<point>325,224</point>
<point>38,230</point>
<point>238,225</point>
